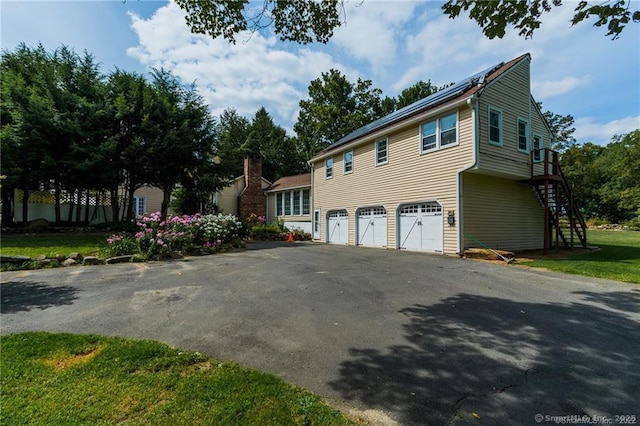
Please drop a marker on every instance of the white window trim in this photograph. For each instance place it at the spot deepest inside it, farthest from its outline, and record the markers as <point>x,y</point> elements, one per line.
<point>537,135</point>
<point>501,127</point>
<point>289,195</point>
<point>326,168</point>
<point>344,160</point>
<point>386,140</point>
<point>139,206</point>
<point>528,131</point>
<point>439,132</point>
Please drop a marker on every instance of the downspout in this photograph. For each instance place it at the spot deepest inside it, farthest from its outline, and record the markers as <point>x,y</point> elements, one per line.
<point>312,202</point>
<point>472,103</point>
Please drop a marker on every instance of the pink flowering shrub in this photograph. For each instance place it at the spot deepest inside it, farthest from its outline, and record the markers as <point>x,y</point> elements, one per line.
<point>121,244</point>
<point>158,237</point>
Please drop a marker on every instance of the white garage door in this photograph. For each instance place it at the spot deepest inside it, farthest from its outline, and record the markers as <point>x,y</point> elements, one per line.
<point>338,227</point>
<point>421,227</point>
<point>372,227</point>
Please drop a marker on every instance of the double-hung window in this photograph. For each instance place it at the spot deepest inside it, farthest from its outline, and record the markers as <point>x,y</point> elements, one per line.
<point>537,148</point>
<point>348,162</point>
<point>328,168</point>
<point>523,135</point>
<point>439,133</point>
<point>448,130</point>
<point>429,136</point>
<point>382,151</point>
<point>495,126</point>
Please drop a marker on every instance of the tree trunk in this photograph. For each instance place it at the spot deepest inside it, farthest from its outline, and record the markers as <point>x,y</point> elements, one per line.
<point>57,192</point>
<point>8,199</point>
<point>86,208</point>
<point>79,207</point>
<point>25,205</point>
<point>166,198</point>
<point>72,202</point>
<point>115,208</point>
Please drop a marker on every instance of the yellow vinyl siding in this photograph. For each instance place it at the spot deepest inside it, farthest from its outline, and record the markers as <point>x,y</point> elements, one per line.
<point>271,210</point>
<point>501,213</point>
<point>228,196</point>
<point>510,93</point>
<point>153,198</point>
<point>408,177</point>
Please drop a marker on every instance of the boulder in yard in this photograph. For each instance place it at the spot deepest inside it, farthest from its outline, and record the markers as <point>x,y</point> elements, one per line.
<point>75,256</point>
<point>119,259</point>
<point>38,223</point>
<point>91,260</point>
<point>14,259</point>
<point>69,262</point>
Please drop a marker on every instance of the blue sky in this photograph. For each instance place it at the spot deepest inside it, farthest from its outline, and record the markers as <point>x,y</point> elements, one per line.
<point>575,71</point>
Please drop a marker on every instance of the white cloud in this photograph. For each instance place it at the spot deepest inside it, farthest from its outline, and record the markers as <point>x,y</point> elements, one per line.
<point>244,76</point>
<point>547,89</point>
<point>588,129</point>
<point>372,29</point>
<point>396,44</point>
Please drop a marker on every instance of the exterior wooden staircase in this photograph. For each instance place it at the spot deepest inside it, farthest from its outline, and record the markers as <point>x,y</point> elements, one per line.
<point>562,218</point>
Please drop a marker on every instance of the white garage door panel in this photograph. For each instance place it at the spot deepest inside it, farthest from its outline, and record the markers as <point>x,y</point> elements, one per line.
<point>338,227</point>
<point>372,227</point>
<point>421,227</point>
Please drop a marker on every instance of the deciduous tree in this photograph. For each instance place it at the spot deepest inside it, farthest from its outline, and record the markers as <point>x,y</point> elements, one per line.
<point>335,108</point>
<point>306,21</point>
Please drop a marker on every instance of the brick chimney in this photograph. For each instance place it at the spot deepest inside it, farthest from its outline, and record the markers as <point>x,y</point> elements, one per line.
<point>252,198</point>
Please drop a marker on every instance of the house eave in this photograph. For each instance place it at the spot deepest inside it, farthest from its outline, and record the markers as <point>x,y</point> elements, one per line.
<point>405,121</point>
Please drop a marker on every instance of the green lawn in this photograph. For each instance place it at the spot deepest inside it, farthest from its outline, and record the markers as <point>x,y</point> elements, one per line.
<point>33,245</point>
<point>618,257</point>
<point>55,379</point>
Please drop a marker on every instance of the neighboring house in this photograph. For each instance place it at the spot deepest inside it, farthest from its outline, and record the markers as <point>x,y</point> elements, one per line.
<point>245,195</point>
<point>469,163</point>
<point>146,200</point>
<point>288,200</point>
<point>227,198</point>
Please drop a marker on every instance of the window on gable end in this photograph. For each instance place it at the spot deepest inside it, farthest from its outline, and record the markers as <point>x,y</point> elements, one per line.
<point>537,148</point>
<point>523,135</point>
<point>495,126</point>
<point>382,151</point>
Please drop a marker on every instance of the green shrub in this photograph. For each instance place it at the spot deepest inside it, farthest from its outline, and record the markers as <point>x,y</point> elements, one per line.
<point>121,245</point>
<point>634,224</point>
<point>130,227</point>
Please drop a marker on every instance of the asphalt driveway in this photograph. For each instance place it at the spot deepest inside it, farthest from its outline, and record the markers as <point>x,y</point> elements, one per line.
<point>418,339</point>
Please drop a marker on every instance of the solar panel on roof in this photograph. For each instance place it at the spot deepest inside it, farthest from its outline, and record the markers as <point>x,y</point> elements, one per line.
<point>422,104</point>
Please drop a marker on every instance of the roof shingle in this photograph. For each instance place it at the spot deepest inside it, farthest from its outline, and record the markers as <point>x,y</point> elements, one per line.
<point>287,182</point>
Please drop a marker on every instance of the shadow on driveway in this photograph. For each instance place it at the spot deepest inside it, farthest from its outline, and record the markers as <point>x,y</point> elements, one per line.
<point>24,296</point>
<point>503,360</point>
